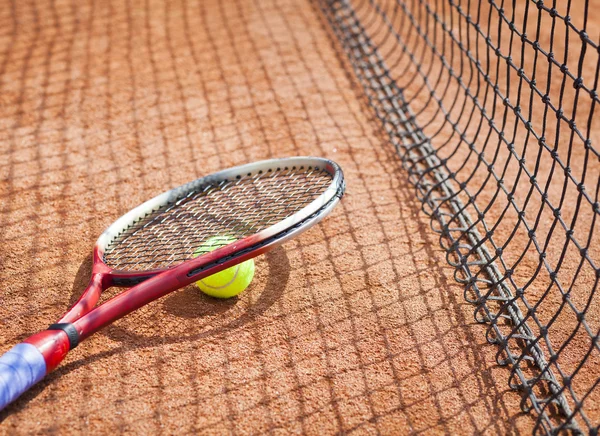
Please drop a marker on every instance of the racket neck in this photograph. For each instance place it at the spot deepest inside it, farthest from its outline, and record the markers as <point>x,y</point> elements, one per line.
<point>130,300</point>
<point>88,299</point>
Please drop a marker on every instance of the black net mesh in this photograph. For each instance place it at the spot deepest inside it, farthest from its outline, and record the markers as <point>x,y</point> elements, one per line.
<point>491,107</point>
<point>211,215</point>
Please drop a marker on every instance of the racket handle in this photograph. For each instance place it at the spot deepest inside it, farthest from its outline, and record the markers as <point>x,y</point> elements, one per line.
<point>20,368</point>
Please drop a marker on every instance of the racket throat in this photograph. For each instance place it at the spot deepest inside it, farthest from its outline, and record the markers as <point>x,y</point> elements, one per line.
<point>88,299</point>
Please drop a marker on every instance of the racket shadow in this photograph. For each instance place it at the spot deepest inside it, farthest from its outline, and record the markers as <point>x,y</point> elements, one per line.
<point>278,265</point>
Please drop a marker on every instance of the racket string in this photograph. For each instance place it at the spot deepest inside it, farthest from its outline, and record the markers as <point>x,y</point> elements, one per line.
<point>233,208</point>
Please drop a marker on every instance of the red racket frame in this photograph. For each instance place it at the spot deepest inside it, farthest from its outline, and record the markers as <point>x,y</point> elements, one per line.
<point>147,286</point>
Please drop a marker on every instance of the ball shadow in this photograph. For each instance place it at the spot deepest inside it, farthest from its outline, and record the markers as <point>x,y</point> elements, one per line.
<point>191,304</point>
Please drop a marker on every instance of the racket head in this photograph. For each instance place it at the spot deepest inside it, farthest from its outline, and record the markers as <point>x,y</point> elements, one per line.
<point>304,190</point>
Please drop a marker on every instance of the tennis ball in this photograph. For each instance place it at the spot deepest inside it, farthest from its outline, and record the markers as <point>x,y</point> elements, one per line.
<point>229,282</point>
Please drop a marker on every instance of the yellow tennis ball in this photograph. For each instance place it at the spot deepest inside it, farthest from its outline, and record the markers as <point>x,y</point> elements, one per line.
<point>229,282</point>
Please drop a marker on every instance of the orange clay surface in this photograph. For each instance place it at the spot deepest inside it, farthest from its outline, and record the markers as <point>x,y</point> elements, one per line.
<point>356,326</point>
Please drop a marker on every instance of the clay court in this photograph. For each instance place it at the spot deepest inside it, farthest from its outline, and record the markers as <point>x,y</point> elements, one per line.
<point>357,326</point>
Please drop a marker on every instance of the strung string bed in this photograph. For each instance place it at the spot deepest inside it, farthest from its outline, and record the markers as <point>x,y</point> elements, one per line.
<point>491,106</point>
<point>219,210</point>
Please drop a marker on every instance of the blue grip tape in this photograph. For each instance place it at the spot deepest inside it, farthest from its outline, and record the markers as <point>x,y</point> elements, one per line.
<point>20,368</point>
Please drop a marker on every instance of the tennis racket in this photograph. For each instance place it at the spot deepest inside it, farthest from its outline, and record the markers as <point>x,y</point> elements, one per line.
<point>152,249</point>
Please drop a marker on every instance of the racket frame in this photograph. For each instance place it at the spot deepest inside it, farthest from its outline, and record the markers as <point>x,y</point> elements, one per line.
<point>85,318</point>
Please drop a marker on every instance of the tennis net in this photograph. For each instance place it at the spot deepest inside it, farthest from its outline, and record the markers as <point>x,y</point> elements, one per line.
<point>491,108</point>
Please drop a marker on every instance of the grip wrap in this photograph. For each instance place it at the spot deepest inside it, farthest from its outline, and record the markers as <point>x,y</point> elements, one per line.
<point>20,368</point>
